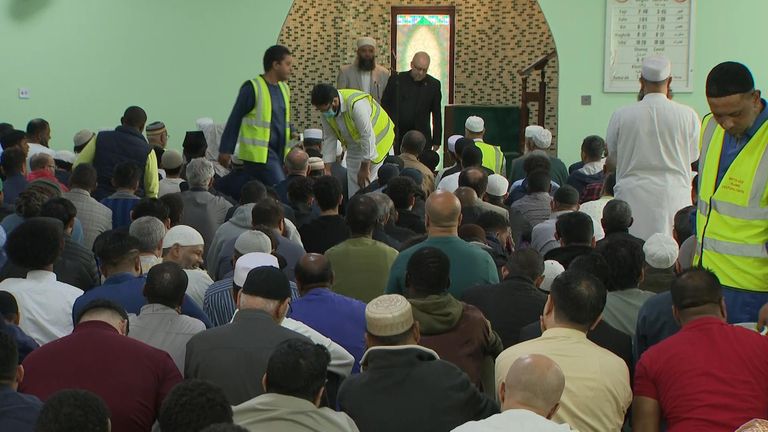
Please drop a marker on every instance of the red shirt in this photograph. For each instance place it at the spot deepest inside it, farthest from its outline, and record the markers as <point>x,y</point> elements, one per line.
<point>710,376</point>
<point>131,377</point>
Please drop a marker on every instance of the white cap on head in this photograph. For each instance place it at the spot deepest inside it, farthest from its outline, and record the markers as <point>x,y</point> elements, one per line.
<point>656,68</point>
<point>498,185</point>
<point>316,163</point>
<point>253,241</point>
<point>474,124</point>
<point>366,41</point>
<point>661,251</point>
<point>531,130</point>
<point>203,122</point>
<point>316,134</point>
<point>388,315</point>
<point>65,156</point>
<point>182,235</point>
<point>82,137</point>
<point>542,139</point>
<point>552,269</point>
<point>452,142</point>
<point>250,261</point>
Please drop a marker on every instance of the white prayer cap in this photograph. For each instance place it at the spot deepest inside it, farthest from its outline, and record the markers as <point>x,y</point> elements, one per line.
<point>183,235</point>
<point>552,269</point>
<point>366,41</point>
<point>316,163</point>
<point>656,68</point>
<point>82,138</point>
<point>531,130</point>
<point>253,241</point>
<point>388,315</point>
<point>474,124</point>
<point>203,122</point>
<point>65,156</point>
<point>661,251</point>
<point>542,139</point>
<point>498,185</point>
<point>316,134</point>
<point>452,142</point>
<point>250,261</point>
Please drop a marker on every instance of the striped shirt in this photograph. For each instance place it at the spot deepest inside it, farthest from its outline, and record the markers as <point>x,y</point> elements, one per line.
<point>219,304</point>
<point>121,203</point>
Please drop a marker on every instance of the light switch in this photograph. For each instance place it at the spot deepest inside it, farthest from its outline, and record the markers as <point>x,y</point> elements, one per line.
<point>24,93</point>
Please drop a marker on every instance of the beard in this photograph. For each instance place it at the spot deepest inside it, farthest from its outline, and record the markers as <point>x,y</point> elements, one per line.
<point>366,64</point>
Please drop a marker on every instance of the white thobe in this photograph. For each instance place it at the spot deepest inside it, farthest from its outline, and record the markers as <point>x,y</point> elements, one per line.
<point>654,142</point>
<point>358,150</point>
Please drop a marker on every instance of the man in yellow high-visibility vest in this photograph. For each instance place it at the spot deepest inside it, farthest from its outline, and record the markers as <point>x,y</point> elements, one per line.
<point>493,157</point>
<point>363,127</point>
<point>732,218</point>
<point>259,124</point>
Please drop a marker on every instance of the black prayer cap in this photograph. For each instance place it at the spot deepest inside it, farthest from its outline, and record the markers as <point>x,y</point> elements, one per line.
<point>267,282</point>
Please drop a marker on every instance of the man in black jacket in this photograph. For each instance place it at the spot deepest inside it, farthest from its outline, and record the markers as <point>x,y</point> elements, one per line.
<point>405,387</point>
<point>410,98</point>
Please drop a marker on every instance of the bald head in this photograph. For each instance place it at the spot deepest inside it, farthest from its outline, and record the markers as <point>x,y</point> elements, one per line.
<point>467,196</point>
<point>313,271</point>
<point>297,162</point>
<point>443,211</point>
<point>419,66</point>
<point>534,382</point>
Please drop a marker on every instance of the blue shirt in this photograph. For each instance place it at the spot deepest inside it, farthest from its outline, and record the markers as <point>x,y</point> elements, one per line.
<point>655,323</point>
<point>24,342</point>
<point>732,146</point>
<point>340,318</point>
<point>126,290</point>
<point>121,204</point>
<point>219,304</point>
<point>13,186</point>
<point>13,220</point>
<point>18,411</point>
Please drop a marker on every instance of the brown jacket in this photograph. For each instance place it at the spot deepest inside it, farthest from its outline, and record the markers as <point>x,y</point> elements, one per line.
<point>457,332</point>
<point>411,161</point>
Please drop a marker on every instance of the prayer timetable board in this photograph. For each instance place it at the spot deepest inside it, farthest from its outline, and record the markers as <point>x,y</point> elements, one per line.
<point>636,29</point>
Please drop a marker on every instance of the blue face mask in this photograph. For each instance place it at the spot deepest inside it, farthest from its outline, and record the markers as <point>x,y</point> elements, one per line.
<point>330,113</point>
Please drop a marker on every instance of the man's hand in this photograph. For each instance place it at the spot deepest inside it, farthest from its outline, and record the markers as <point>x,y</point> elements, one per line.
<point>225,159</point>
<point>364,174</point>
<point>762,318</point>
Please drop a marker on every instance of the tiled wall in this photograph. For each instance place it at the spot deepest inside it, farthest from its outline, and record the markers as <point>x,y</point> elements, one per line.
<point>494,39</point>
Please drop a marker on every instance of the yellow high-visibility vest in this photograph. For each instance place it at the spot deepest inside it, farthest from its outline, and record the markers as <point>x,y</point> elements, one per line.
<point>493,157</point>
<point>383,128</point>
<point>255,127</point>
<point>732,220</point>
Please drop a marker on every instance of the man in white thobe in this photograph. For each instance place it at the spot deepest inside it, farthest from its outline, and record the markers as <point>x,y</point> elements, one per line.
<point>653,143</point>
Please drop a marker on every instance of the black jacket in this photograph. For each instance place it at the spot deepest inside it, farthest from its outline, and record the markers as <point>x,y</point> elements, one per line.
<point>408,388</point>
<point>411,104</point>
<point>509,305</point>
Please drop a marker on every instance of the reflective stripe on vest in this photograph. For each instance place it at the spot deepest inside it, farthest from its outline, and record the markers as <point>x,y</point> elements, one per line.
<point>732,220</point>
<point>383,128</point>
<point>255,128</point>
<point>493,157</point>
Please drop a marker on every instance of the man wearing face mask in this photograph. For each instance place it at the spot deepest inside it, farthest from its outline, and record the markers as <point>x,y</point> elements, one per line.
<point>411,98</point>
<point>364,74</point>
<point>260,120</point>
<point>653,143</point>
<point>363,127</point>
<point>732,218</point>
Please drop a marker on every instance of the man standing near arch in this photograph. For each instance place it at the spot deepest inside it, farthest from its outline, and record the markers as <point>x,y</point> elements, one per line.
<point>260,122</point>
<point>364,74</point>
<point>411,98</point>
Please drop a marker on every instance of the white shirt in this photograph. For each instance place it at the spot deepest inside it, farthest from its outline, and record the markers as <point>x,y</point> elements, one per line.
<point>199,281</point>
<point>513,420</point>
<point>449,183</point>
<point>341,360</point>
<point>595,210</point>
<point>38,148</point>
<point>543,234</point>
<point>169,186</point>
<point>365,79</point>
<point>654,142</point>
<point>45,304</point>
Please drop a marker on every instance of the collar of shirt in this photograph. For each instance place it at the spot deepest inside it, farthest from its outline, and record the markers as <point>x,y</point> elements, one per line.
<point>94,326</point>
<point>41,276</point>
<point>557,214</point>
<point>122,195</point>
<point>592,168</point>
<point>653,97</point>
<point>252,315</point>
<point>78,191</point>
<point>157,308</point>
<point>428,351</point>
<point>120,278</point>
<point>408,156</point>
<point>130,131</point>
<point>318,292</point>
<point>761,118</point>
<point>706,321</point>
<point>563,332</point>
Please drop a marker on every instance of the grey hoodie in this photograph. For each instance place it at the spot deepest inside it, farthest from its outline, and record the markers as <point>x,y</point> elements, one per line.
<point>239,223</point>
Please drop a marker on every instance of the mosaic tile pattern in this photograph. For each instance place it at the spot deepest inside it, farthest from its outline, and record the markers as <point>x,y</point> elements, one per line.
<point>494,39</point>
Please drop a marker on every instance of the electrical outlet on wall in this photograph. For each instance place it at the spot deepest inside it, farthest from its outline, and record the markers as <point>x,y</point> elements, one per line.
<point>24,93</point>
<point>586,99</point>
